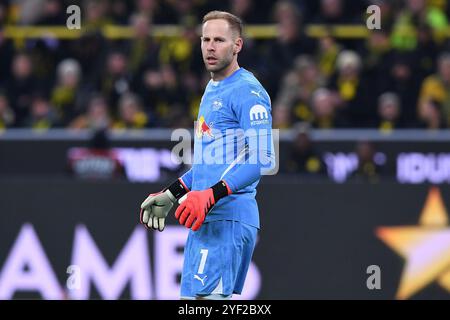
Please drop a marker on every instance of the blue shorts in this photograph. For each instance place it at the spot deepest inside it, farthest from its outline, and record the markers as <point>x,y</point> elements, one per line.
<point>217,258</point>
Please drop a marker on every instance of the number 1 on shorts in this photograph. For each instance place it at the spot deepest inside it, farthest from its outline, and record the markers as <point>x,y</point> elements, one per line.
<point>204,253</point>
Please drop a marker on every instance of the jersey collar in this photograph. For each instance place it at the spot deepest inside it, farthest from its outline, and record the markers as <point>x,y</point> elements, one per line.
<point>228,79</point>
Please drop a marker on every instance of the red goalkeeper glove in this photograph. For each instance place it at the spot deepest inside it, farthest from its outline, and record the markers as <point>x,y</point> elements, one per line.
<point>195,205</point>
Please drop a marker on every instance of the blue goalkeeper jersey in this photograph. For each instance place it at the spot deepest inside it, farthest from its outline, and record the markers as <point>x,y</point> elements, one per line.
<point>233,142</point>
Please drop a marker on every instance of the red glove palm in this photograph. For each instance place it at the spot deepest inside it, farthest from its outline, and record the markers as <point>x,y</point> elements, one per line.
<point>193,210</point>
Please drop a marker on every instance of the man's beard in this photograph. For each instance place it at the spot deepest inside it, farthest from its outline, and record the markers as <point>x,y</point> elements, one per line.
<point>219,66</point>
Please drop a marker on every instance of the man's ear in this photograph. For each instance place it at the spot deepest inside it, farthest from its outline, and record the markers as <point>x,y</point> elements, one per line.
<point>238,43</point>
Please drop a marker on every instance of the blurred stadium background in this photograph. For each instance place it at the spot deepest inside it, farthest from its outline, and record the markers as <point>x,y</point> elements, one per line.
<point>86,118</point>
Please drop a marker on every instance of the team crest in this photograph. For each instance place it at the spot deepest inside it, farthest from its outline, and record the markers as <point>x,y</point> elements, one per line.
<point>217,104</point>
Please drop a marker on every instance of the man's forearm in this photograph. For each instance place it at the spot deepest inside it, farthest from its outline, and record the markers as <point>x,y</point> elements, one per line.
<point>248,172</point>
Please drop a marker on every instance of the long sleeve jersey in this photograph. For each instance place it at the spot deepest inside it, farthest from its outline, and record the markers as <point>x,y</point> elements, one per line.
<point>233,142</point>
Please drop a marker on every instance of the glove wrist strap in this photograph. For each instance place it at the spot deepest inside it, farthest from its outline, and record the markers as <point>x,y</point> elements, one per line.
<point>177,189</point>
<point>220,190</point>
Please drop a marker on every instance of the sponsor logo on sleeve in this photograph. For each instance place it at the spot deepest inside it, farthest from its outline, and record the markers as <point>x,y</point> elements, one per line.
<point>258,115</point>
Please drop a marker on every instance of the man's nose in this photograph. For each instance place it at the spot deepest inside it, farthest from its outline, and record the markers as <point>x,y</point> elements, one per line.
<point>211,46</point>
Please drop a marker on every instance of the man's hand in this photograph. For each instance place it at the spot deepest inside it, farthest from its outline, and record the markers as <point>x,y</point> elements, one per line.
<point>193,210</point>
<point>155,208</point>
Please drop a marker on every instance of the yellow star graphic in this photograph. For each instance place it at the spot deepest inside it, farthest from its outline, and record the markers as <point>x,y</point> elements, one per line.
<point>426,247</point>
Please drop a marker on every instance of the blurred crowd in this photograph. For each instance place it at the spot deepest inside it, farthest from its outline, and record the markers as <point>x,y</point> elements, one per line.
<point>397,77</point>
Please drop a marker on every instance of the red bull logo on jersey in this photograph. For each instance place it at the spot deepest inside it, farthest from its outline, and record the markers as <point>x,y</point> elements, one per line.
<point>203,129</point>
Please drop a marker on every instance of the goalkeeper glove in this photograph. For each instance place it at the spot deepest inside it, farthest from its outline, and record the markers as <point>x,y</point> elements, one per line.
<point>156,206</point>
<point>195,205</point>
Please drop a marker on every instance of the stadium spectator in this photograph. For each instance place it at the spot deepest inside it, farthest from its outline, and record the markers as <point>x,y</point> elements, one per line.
<point>142,50</point>
<point>249,11</point>
<point>7,116</point>
<point>297,89</point>
<point>304,158</point>
<point>131,114</point>
<point>331,12</point>
<point>378,58</point>
<point>120,11</point>
<point>53,13</point>
<point>326,55</point>
<point>416,14</point>
<point>355,98</point>
<point>115,80</point>
<point>368,169</point>
<point>185,10</point>
<point>95,14</point>
<point>437,87</point>
<point>6,56</point>
<point>158,12</point>
<point>3,13</point>
<point>179,51</point>
<point>165,94</point>
<point>42,115</point>
<point>404,80</point>
<point>324,112</point>
<point>21,85</point>
<point>96,117</point>
<point>290,43</point>
<point>90,50</point>
<point>388,10</point>
<point>427,52</point>
<point>431,115</point>
<point>27,12</point>
<point>389,112</point>
<point>281,116</point>
<point>44,54</point>
<point>66,94</point>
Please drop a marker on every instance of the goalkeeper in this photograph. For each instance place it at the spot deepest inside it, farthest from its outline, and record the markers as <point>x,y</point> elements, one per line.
<point>232,148</point>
